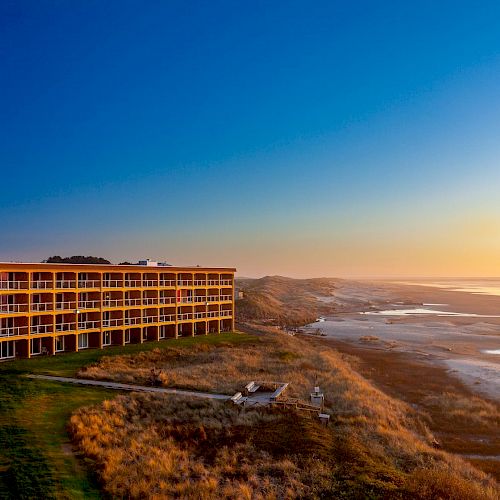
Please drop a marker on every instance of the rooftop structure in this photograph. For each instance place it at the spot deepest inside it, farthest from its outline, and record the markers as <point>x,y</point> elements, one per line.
<point>53,308</point>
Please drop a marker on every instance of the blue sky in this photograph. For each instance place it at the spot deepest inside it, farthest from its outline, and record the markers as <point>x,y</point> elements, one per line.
<point>298,138</point>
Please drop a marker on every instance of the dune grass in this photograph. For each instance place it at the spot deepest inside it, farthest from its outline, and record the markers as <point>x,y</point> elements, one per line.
<point>375,446</point>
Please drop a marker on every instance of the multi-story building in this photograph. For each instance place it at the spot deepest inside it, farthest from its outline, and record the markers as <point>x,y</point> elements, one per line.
<point>53,308</point>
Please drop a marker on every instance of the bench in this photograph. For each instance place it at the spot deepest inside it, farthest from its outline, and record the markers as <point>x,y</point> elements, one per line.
<point>236,398</point>
<point>278,392</point>
<point>252,387</point>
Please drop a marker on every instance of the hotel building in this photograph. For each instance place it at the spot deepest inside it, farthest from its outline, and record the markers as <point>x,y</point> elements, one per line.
<point>54,308</point>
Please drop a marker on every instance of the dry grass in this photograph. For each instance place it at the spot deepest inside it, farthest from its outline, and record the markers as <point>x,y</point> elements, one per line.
<point>153,447</point>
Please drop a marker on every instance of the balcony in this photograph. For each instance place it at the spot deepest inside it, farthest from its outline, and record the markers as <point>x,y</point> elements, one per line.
<point>226,282</point>
<point>133,283</point>
<point>112,303</point>
<point>88,304</point>
<point>165,318</point>
<point>150,283</point>
<point>42,285</point>
<point>167,283</point>
<point>13,308</point>
<point>88,325</point>
<point>212,298</point>
<point>150,319</point>
<point>132,302</point>
<point>65,306</point>
<point>65,284</point>
<point>89,284</point>
<point>200,283</point>
<point>213,282</point>
<point>106,323</point>
<point>184,316</point>
<point>65,327</point>
<point>41,306</point>
<point>184,283</point>
<point>226,298</point>
<point>167,300</point>
<point>200,298</point>
<point>225,314</point>
<point>112,284</point>
<point>212,314</point>
<point>185,300</point>
<point>13,285</point>
<point>41,329</point>
<point>12,331</point>
<point>199,315</point>
<point>132,321</point>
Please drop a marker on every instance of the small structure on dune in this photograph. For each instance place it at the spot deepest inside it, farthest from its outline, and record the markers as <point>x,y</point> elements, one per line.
<point>260,394</point>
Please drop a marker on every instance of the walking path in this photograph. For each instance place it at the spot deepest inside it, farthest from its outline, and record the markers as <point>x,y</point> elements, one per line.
<point>131,387</point>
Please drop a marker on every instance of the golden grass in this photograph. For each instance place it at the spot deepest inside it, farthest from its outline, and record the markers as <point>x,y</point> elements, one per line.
<point>154,447</point>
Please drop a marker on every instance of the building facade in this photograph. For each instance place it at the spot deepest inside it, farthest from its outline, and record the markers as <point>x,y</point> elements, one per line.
<point>55,308</point>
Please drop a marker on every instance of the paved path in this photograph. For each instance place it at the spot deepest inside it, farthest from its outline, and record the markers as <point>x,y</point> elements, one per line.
<point>130,387</point>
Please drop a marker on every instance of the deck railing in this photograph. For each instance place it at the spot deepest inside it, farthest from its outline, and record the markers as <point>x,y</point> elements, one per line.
<point>65,284</point>
<point>89,284</point>
<point>88,325</point>
<point>42,284</point>
<point>13,285</point>
<point>11,331</point>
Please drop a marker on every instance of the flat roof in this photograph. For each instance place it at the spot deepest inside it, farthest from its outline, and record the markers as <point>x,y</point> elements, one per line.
<point>114,267</point>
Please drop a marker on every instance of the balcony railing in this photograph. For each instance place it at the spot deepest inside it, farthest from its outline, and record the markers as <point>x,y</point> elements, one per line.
<point>65,284</point>
<point>198,315</point>
<point>88,304</point>
<point>88,325</point>
<point>167,300</point>
<point>212,314</point>
<point>66,305</point>
<point>13,285</point>
<point>113,284</point>
<point>132,321</point>
<point>11,331</point>
<point>89,284</point>
<point>149,301</point>
<point>65,327</point>
<point>42,284</point>
<point>185,300</point>
<point>165,318</point>
<point>149,283</point>
<point>133,302</point>
<point>13,308</point>
<point>112,303</point>
<point>213,282</point>
<point>200,283</point>
<point>184,283</point>
<point>42,306</point>
<point>226,282</point>
<point>133,283</point>
<point>165,283</point>
<point>184,316</point>
<point>106,323</point>
<point>226,313</point>
<point>226,298</point>
<point>200,298</point>
<point>212,298</point>
<point>39,329</point>
<point>150,319</point>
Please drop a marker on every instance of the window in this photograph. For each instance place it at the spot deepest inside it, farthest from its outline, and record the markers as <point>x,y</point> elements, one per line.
<point>35,346</point>
<point>127,336</point>
<point>7,349</point>
<point>163,332</point>
<point>106,338</point>
<point>59,344</point>
<point>83,340</point>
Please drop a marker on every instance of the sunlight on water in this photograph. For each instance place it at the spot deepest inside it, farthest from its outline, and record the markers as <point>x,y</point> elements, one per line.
<point>477,287</point>
<point>492,351</point>
<point>423,311</point>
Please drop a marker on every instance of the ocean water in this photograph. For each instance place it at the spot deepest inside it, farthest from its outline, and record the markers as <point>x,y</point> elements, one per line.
<point>485,286</point>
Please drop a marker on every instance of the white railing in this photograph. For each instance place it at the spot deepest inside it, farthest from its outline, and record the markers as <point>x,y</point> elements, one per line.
<point>89,284</point>
<point>65,284</point>
<point>112,284</point>
<point>185,316</point>
<point>149,283</point>
<point>42,284</point>
<point>226,282</point>
<point>198,315</point>
<point>167,300</point>
<point>65,305</point>
<point>213,282</point>
<point>42,306</point>
<point>200,298</point>
<point>212,298</point>
<point>133,283</point>
<point>13,308</point>
<point>88,304</point>
<point>226,313</point>
<point>200,283</point>
<point>148,301</point>
<point>88,325</point>
<point>106,323</point>
<point>185,300</point>
<point>13,285</point>
<point>65,327</point>
<point>150,319</point>
<point>225,298</point>
<point>184,283</point>
<point>133,302</point>
<point>212,314</point>
<point>112,303</point>
<point>12,331</point>
<point>164,283</point>
<point>164,318</point>
<point>39,329</point>
<point>132,321</point>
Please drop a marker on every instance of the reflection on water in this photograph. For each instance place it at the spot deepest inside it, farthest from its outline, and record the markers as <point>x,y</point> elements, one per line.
<point>492,351</point>
<point>478,287</point>
<point>422,311</point>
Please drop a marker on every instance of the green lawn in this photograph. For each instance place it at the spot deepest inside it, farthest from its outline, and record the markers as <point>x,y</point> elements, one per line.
<point>36,458</point>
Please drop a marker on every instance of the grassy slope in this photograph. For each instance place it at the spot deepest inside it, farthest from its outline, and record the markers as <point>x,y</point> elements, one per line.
<point>36,460</point>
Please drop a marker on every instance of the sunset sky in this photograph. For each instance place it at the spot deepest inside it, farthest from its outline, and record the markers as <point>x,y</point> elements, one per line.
<point>294,138</point>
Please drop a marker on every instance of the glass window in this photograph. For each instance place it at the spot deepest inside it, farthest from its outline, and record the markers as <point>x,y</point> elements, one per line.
<point>59,344</point>
<point>83,340</point>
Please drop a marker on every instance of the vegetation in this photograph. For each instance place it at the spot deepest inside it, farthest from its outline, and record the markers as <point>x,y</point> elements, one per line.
<point>375,446</point>
<point>76,259</point>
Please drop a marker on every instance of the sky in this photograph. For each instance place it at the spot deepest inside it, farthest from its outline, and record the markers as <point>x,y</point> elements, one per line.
<point>325,138</point>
